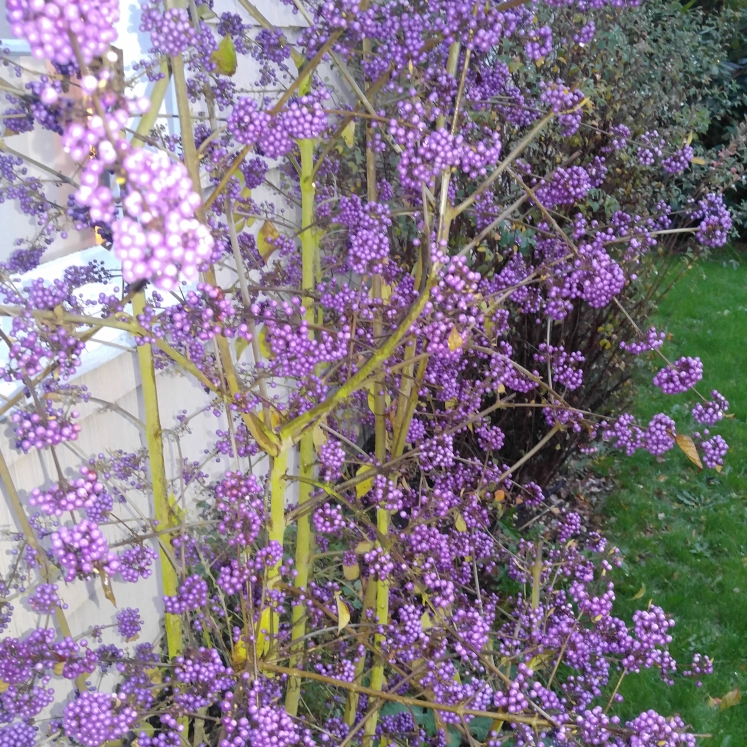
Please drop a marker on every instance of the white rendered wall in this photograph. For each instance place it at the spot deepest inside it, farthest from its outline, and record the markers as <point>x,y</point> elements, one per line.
<point>110,366</point>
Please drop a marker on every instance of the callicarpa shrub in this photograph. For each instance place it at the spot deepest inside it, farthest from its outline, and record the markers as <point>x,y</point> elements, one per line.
<point>368,246</point>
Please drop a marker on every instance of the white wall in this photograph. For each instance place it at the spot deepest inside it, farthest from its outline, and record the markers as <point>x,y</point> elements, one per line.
<point>110,372</point>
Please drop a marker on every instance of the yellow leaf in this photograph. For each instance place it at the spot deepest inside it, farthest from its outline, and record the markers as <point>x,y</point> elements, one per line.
<point>501,389</point>
<point>263,645</point>
<point>318,436</point>
<point>348,134</point>
<point>689,138</point>
<point>351,572</point>
<point>426,621</point>
<point>499,496</point>
<point>343,613</point>
<point>718,468</point>
<point>640,592</point>
<point>240,343</point>
<point>154,675</point>
<point>688,446</point>
<point>364,487</point>
<point>697,160</point>
<point>264,347</point>
<point>539,660</point>
<point>267,234</point>
<point>3,686</point>
<point>242,221</point>
<point>455,340</point>
<point>239,654</point>
<point>265,438</point>
<point>276,417</point>
<point>459,523</point>
<point>386,292</point>
<point>450,404</point>
<point>730,699</point>
<point>60,666</point>
<point>225,56</point>
<point>363,547</point>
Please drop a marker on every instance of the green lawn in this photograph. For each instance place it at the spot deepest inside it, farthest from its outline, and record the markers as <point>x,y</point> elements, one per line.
<point>684,534</point>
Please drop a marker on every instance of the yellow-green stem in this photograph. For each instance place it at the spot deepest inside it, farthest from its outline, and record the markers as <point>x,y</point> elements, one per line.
<point>304,537</point>
<point>276,529</point>
<point>154,440</point>
<point>378,679</point>
<point>148,120</point>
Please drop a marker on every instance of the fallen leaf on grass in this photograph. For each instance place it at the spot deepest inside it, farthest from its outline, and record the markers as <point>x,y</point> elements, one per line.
<point>730,699</point>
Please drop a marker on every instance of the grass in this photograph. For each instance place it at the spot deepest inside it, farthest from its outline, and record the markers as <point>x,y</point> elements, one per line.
<point>684,533</point>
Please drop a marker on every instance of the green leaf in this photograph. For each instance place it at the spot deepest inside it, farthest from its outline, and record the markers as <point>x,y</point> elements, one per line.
<point>240,346</point>
<point>265,438</point>
<point>206,13</point>
<point>225,56</point>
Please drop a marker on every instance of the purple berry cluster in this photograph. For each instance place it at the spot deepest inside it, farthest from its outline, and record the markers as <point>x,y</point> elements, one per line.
<point>82,549</point>
<point>171,32</point>
<point>35,431</point>
<point>193,594</point>
<point>129,623</point>
<point>48,27</point>
<point>94,718</point>
<point>159,237</point>
<point>682,375</point>
<point>712,411</point>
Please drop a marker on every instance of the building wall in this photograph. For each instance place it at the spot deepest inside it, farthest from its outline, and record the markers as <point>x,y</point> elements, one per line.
<point>111,373</point>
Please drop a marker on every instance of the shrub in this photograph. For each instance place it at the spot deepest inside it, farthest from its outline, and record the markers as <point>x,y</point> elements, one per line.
<point>389,283</point>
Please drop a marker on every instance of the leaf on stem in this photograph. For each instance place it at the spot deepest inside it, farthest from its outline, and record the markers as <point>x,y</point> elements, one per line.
<point>319,436</point>
<point>263,644</point>
<point>240,343</point>
<point>364,487</point>
<point>264,347</point>
<point>239,654</point>
<point>266,240</point>
<point>265,438</point>
<point>455,340</point>
<point>206,13</point>
<point>225,56</point>
<point>343,613</point>
<point>106,585</point>
<point>351,572</point>
<point>348,133</point>
<point>688,446</point>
